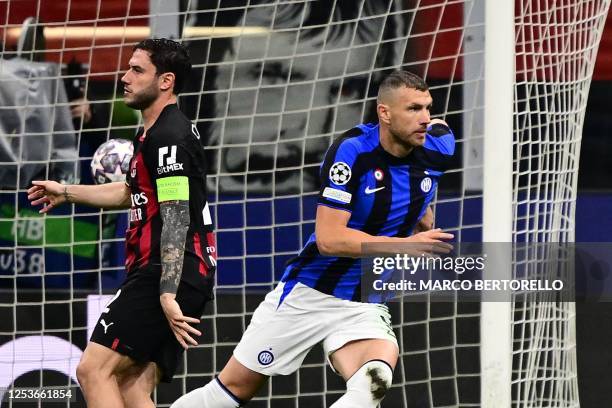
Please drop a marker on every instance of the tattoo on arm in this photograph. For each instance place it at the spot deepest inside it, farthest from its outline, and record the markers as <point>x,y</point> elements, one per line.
<point>175,219</point>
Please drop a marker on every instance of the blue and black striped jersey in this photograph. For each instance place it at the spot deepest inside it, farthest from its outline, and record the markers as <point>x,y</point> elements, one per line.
<point>385,195</point>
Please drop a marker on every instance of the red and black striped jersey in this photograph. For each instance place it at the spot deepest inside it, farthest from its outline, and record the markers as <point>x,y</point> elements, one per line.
<point>170,149</point>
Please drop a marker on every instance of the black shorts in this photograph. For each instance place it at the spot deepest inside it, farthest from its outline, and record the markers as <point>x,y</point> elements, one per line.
<point>134,324</point>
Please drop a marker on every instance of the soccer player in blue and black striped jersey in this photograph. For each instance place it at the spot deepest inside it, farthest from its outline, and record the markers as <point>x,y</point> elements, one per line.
<point>377,182</point>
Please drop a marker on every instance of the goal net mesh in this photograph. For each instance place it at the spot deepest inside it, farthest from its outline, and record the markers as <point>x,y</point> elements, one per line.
<point>274,82</point>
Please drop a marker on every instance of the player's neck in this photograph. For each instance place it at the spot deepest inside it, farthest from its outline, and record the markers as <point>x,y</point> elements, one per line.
<point>392,145</point>
<point>150,114</point>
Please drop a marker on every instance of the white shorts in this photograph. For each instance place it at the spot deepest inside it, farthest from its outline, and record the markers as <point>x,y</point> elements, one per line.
<point>278,339</point>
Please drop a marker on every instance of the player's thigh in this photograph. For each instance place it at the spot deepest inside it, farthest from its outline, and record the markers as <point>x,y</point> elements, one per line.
<point>137,381</point>
<point>353,355</point>
<point>240,380</point>
<point>98,360</point>
<point>169,352</point>
<point>280,334</point>
<point>363,332</point>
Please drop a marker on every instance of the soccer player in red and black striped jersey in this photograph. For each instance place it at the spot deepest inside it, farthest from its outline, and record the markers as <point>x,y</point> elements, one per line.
<point>169,245</point>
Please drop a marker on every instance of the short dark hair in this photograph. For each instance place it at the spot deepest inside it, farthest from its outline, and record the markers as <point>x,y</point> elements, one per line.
<point>168,56</point>
<point>398,79</point>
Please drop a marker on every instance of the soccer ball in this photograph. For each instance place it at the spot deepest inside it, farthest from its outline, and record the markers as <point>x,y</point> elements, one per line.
<point>111,161</point>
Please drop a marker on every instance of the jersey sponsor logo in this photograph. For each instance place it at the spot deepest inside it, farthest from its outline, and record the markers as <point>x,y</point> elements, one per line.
<point>369,190</point>
<point>169,168</point>
<point>379,174</point>
<point>106,326</point>
<point>166,160</point>
<point>426,185</point>
<point>135,214</point>
<point>139,199</point>
<point>340,173</point>
<point>265,357</point>
<point>339,195</point>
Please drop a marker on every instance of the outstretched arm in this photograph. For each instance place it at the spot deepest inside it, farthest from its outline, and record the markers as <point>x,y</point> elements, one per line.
<point>51,194</point>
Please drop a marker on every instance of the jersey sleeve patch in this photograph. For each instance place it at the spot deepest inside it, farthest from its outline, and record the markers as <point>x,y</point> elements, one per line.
<point>173,188</point>
<point>339,179</point>
<point>337,195</point>
<point>340,173</point>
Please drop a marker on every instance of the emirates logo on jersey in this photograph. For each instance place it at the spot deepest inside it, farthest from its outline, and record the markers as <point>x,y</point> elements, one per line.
<point>135,214</point>
<point>139,199</point>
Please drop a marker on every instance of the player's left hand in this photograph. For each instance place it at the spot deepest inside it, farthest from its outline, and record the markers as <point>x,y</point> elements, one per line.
<point>440,121</point>
<point>179,324</point>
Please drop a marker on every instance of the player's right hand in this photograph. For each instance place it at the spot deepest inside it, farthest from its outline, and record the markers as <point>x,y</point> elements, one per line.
<point>432,241</point>
<point>179,323</point>
<point>433,235</point>
<point>48,193</point>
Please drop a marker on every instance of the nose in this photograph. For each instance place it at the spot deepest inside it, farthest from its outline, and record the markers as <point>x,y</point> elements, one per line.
<point>124,78</point>
<point>425,116</point>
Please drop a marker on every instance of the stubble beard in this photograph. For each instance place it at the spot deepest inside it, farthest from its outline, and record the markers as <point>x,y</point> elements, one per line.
<point>144,99</point>
<point>406,139</point>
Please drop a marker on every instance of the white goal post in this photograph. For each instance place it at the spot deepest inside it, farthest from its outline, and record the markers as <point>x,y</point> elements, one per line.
<point>496,317</point>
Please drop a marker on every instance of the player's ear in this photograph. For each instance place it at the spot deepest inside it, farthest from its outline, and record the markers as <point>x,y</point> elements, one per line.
<point>166,81</point>
<point>383,113</point>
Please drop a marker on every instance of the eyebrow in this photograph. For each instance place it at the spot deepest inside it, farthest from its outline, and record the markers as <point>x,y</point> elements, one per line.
<point>135,67</point>
<point>419,106</point>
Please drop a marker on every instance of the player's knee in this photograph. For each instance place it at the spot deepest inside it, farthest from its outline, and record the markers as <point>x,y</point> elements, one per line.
<point>367,387</point>
<point>87,372</point>
<point>380,376</point>
<point>91,371</point>
<point>136,398</point>
<point>376,376</point>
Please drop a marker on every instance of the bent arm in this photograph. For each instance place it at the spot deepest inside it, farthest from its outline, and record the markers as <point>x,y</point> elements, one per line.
<point>426,222</point>
<point>335,238</point>
<point>52,194</point>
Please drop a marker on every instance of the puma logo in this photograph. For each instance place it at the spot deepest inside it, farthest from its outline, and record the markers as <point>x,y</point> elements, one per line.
<point>106,326</point>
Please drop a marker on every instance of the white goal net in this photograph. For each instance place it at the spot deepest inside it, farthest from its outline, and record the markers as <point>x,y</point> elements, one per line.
<point>274,82</point>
